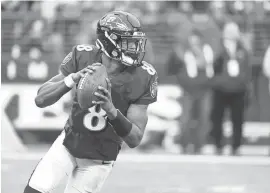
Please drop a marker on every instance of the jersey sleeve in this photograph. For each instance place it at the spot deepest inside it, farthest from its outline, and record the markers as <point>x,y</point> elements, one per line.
<point>151,91</point>
<point>68,65</point>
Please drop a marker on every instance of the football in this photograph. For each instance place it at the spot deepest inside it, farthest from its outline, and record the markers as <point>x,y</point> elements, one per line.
<point>88,85</point>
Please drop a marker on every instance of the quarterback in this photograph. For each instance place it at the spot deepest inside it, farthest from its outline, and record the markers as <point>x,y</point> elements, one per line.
<point>88,146</point>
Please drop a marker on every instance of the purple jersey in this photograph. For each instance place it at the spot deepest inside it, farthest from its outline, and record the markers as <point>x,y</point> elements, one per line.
<point>88,132</point>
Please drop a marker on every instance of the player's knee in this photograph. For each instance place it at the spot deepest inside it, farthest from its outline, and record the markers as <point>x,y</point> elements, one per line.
<point>29,189</point>
<point>47,176</point>
<point>42,186</point>
<point>45,179</point>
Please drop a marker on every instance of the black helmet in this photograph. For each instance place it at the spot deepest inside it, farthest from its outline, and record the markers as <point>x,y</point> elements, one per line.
<point>120,37</point>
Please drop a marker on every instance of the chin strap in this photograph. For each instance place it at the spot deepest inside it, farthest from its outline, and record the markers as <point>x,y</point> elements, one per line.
<point>100,46</point>
<point>111,40</point>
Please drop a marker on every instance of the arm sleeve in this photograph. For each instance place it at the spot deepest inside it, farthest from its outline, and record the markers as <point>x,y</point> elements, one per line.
<point>150,95</point>
<point>68,65</point>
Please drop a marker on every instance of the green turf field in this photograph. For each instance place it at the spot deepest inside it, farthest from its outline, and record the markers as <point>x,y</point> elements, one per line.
<point>135,173</point>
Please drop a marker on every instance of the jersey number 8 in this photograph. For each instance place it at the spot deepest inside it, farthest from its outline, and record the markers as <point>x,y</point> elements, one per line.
<point>82,47</point>
<point>148,67</point>
<point>96,119</point>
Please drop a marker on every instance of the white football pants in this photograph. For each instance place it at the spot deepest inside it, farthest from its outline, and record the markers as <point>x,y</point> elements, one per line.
<point>85,175</point>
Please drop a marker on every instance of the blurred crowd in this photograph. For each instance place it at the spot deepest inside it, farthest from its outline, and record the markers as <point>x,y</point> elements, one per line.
<point>55,26</point>
<point>226,41</point>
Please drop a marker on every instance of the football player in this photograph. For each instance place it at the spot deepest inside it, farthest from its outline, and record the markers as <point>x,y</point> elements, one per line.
<point>91,140</point>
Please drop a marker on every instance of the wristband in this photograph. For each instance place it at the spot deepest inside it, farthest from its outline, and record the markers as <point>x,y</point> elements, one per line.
<point>69,82</point>
<point>121,124</point>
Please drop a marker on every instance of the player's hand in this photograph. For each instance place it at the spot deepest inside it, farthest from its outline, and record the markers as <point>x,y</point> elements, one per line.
<point>106,100</point>
<point>89,69</point>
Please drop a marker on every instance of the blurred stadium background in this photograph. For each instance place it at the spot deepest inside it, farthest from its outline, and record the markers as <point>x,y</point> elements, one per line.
<point>36,36</point>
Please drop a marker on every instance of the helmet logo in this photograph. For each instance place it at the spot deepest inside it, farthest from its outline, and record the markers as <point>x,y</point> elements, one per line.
<point>110,19</point>
<point>114,22</point>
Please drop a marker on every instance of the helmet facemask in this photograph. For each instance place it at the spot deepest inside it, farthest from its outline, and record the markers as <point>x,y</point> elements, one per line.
<point>132,49</point>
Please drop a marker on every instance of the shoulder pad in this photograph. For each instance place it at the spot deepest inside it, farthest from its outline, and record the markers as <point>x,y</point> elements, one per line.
<point>86,54</point>
<point>86,51</point>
